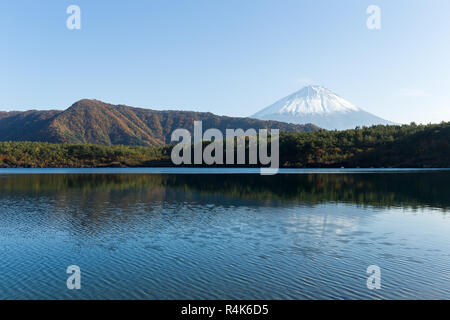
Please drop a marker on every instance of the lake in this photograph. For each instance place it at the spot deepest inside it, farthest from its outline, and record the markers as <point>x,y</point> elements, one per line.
<point>224,234</point>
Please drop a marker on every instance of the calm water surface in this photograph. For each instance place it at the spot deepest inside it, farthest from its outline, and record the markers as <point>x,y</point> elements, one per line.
<point>137,235</point>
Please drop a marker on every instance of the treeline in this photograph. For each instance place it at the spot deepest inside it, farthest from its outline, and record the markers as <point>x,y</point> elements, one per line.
<point>49,155</point>
<point>378,146</point>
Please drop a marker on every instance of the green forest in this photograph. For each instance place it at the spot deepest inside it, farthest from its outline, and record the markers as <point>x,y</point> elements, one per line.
<point>377,146</point>
<point>51,155</point>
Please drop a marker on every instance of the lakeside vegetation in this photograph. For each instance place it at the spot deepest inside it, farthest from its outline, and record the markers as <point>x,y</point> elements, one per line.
<point>51,155</point>
<point>378,146</point>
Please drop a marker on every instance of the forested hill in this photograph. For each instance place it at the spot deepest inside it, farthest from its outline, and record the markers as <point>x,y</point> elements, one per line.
<point>378,146</point>
<point>96,122</point>
<point>404,146</point>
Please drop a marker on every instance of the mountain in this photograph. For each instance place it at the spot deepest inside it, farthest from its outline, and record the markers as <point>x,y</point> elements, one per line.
<point>320,106</point>
<point>96,122</point>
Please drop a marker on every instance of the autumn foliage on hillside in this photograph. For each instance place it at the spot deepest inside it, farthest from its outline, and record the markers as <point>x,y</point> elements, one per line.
<point>96,122</point>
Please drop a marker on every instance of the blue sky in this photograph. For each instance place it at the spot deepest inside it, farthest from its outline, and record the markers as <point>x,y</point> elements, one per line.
<point>230,57</point>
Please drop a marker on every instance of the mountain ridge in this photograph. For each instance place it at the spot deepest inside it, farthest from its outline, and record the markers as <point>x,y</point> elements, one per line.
<point>95,122</point>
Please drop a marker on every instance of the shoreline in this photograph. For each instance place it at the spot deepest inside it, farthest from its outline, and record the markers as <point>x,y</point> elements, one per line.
<point>204,170</point>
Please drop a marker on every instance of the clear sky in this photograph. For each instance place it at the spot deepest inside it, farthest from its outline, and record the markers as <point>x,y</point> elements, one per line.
<point>230,57</point>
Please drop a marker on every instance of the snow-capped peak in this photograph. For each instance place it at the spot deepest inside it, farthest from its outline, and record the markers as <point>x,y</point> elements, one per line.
<point>320,106</point>
<point>310,100</point>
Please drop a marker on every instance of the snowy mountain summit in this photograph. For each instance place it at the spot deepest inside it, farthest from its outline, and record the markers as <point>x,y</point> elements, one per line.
<point>320,106</point>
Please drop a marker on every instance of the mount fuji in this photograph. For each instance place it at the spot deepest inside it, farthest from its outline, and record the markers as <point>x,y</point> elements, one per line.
<point>320,106</point>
